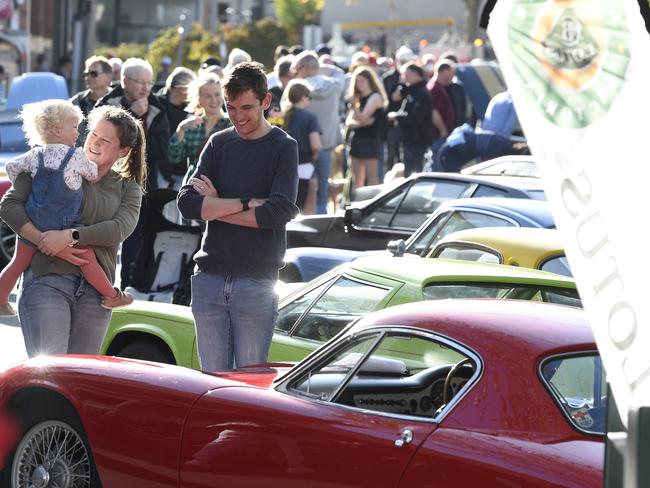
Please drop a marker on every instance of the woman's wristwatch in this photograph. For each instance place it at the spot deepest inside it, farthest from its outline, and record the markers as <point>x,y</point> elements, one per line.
<point>244,203</point>
<point>74,237</point>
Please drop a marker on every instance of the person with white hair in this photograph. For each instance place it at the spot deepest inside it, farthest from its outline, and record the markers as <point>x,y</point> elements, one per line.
<point>236,57</point>
<point>116,65</point>
<point>134,95</point>
<point>325,93</point>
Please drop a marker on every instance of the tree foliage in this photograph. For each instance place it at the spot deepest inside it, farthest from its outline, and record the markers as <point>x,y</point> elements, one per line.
<point>258,39</point>
<point>298,13</point>
<point>123,51</point>
<point>198,45</point>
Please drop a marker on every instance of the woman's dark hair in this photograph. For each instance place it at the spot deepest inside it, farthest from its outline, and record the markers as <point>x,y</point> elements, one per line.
<point>131,134</point>
<point>297,89</point>
<point>246,76</point>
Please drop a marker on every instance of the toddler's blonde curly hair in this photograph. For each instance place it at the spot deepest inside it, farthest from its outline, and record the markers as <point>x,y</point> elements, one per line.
<point>41,118</point>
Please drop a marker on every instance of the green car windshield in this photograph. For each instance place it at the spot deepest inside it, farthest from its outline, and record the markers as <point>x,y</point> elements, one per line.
<point>562,296</point>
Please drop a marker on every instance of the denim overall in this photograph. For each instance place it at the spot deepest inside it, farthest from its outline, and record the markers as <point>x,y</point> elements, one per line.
<point>52,205</point>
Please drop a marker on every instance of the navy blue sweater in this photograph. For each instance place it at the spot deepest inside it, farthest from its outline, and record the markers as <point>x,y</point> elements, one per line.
<point>241,168</point>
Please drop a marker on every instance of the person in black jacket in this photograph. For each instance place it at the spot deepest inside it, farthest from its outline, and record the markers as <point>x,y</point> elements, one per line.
<point>415,119</point>
<point>134,94</point>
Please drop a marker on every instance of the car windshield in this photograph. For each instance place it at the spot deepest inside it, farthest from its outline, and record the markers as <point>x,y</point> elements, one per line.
<point>466,253</point>
<point>324,311</point>
<point>511,291</point>
<point>578,384</point>
<point>398,373</point>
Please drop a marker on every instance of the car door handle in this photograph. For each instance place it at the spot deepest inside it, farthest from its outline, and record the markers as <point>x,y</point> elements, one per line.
<point>405,438</point>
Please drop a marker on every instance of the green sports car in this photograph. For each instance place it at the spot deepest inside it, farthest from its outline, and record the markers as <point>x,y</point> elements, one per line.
<point>320,309</point>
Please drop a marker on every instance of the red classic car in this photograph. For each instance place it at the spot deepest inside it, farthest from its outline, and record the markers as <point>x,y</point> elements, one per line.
<point>435,394</point>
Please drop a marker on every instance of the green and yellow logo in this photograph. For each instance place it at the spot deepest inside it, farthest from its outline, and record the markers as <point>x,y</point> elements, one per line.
<point>570,55</point>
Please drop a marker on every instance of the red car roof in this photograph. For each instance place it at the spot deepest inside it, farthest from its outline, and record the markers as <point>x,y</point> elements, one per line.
<point>520,328</point>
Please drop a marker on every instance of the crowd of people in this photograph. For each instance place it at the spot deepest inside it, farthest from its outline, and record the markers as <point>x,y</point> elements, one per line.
<point>246,150</point>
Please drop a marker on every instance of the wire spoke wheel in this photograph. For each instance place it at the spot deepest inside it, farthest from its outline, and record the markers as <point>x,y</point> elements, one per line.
<point>51,455</point>
<point>7,243</point>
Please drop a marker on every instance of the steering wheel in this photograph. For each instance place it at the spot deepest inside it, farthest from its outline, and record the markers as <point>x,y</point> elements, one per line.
<point>447,391</point>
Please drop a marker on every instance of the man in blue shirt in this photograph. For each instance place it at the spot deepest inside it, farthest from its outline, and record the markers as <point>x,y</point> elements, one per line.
<point>245,189</point>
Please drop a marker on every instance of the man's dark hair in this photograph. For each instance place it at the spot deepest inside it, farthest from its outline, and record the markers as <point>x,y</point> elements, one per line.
<point>296,49</point>
<point>210,62</point>
<point>412,66</point>
<point>246,76</point>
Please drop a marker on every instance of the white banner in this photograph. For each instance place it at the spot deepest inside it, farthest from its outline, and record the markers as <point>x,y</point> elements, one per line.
<point>579,74</point>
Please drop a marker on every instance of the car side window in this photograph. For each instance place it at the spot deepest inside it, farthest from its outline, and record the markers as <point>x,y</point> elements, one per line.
<point>423,199</point>
<point>466,253</point>
<point>459,220</point>
<point>322,382</point>
<point>489,191</point>
<point>578,385</point>
<point>558,265</point>
<point>409,208</point>
<point>342,303</point>
<point>290,313</point>
<point>381,215</point>
<point>396,372</point>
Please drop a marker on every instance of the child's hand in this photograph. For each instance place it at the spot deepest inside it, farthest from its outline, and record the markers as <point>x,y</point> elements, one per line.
<point>53,241</point>
<point>73,255</point>
<point>204,186</point>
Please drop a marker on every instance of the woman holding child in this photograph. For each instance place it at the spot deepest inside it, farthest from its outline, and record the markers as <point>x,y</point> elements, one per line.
<point>59,311</point>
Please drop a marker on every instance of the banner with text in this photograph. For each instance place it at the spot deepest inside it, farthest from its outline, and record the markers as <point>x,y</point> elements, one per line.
<point>579,75</point>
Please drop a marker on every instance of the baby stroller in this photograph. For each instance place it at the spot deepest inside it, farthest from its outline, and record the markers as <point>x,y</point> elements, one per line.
<point>163,267</point>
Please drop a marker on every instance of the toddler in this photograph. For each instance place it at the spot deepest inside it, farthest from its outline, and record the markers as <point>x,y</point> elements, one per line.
<point>57,169</point>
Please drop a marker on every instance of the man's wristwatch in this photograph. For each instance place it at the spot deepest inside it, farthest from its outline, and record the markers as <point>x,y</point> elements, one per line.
<point>244,202</point>
<point>74,237</point>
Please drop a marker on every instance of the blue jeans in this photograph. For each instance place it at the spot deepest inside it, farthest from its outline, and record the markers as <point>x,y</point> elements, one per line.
<point>323,164</point>
<point>435,147</point>
<point>413,157</point>
<point>234,319</point>
<point>61,313</point>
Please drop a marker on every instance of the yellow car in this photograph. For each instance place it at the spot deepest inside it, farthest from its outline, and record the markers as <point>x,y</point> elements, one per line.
<point>514,246</point>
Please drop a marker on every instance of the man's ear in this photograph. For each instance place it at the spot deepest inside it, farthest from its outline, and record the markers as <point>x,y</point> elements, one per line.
<point>266,103</point>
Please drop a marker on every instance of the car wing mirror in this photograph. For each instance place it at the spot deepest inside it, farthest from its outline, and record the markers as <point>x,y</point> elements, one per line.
<point>397,248</point>
<point>352,216</point>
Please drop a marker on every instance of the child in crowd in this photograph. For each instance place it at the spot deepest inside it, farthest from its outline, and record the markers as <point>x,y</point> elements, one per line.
<point>57,168</point>
<point>303,126</point>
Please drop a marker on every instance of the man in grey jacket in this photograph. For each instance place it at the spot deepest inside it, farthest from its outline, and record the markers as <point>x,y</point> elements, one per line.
<point>325,95</point>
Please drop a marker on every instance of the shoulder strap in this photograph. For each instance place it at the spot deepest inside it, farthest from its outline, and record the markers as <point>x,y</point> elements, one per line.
<point>41,159</point>
<point>67,158</point>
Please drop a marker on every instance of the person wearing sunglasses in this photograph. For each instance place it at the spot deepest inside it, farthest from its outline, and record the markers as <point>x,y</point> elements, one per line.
<point>97,76</point>
<point>134,95</point>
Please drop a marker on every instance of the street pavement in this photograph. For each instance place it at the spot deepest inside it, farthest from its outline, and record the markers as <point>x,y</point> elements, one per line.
<point>12,348</point>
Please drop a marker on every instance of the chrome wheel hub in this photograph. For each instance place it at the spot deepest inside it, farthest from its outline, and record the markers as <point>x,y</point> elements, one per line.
<point>51,455</point>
